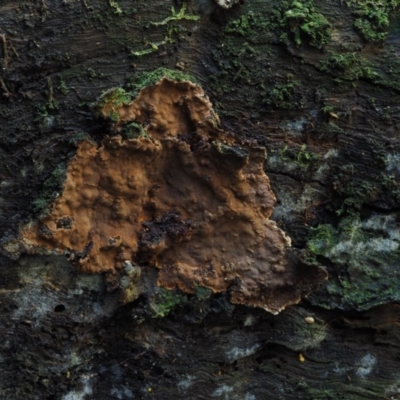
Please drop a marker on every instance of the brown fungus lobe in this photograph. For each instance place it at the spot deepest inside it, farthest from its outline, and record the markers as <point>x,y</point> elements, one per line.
<point>182,197</point>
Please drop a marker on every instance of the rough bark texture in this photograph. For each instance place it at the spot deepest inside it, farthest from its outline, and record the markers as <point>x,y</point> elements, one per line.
<point>317,85</point>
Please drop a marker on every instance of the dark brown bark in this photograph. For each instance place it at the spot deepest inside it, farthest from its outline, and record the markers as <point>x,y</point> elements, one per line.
<point>324,102</point>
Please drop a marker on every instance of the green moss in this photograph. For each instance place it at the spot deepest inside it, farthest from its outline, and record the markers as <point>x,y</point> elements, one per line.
<point>357,192</point>
<point>299,20</point>
<point>110,100</point>
<point>339,62</point>
<point>251,26</point>
<point>177,15</point>
<point>298,158</point>
<point>143,79</point>
<point>348,67</point>
<point>170,34</point>
<point>281,95</point>
<point>165,301</point>
<point>322,239</point>
<point>115,7</point>
<point>235,60</point>
<point>304,157</point>
<point>373,17</point>
<point>63,87</point>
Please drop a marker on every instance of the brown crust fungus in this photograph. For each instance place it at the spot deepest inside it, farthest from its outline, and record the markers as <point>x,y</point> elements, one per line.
<point>180,196</point>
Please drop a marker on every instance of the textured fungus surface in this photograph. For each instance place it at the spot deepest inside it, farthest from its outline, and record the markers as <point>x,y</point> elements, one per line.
<point>177,194</point>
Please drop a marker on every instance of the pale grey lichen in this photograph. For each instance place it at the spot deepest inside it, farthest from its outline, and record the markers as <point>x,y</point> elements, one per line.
<point>209,6</point>
<point>226,3</point>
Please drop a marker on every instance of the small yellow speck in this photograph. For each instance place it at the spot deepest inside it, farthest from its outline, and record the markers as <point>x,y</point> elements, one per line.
<point>333,115</point>
<point>309,320</point>
<point>301,358</point>
<point>68,374</point>
<point>149,389</point>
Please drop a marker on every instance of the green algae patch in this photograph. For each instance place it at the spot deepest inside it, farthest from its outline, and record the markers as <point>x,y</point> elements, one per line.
<point>366,259</point>
<point>372,17</point>
<point>301,22</point>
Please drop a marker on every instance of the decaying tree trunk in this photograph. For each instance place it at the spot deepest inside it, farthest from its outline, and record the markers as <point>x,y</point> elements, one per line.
<point>315,84</point>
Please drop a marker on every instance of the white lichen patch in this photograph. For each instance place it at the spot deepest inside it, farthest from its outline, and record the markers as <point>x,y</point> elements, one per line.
<point>340,368</point>
<point>280,161</point>
<point>226,4</point>
<point>122,393</point>
<point>377,224</point>
<point>380,245</point>
<point>332,153</point>
<point>386,223</point>
<point>4,183</point>
<point>236,353</point>
<point>366,365</point>
<point>393,162</point>
<point>295,127</point>
<point>323,170</point>
<point>290,204</point>
<point>249,320</point>
<point>48,282</point>
<point>222,391</point>
<point>393,390</point>
<point>81,394</point>
<point>185,383</point>
<point>32,303</point>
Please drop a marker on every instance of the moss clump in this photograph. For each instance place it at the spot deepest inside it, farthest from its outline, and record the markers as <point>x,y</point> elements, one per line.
<point>299,20</point>
<point>171,32</point>
<point>165,301</point>
<point>373,17</point>
<point>109,101</point>
<point>322,239</point>
<point>340,62</point>
<point>250,25</point>
<point>141,80</point>
<point>177,15</point>
<point>305,158</point>
<point>281,95</point>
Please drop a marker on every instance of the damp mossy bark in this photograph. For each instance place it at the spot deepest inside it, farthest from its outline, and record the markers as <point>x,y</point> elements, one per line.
<point>372,19</point>
<point>366,258</point>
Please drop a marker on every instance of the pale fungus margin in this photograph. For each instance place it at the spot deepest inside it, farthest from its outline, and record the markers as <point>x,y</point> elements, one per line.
<point>177,193</point>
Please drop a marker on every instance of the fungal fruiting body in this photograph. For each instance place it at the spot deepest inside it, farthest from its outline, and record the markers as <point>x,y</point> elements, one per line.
<point>179,194</point>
